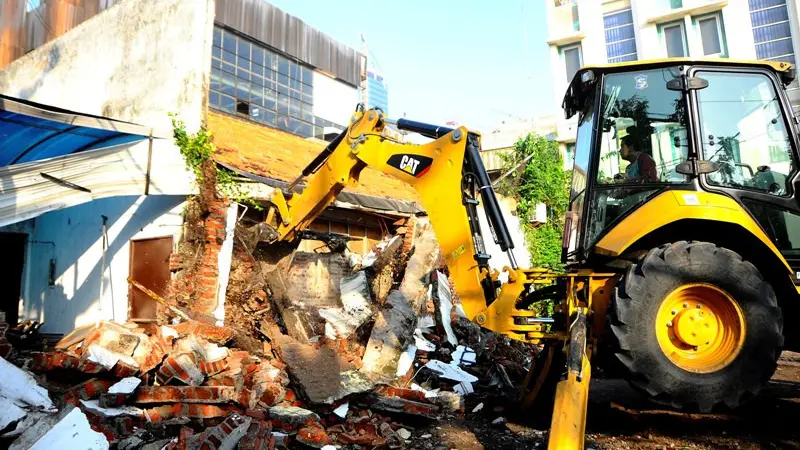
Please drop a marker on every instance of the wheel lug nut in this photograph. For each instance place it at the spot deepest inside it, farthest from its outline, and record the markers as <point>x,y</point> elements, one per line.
<point>699,306</point>
<point>674,312</point>
<point>685,305</point>
<point>669,324</point>
<point>695,349</point>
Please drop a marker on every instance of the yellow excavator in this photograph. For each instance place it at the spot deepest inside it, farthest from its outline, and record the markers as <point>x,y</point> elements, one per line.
<point>681,244</point>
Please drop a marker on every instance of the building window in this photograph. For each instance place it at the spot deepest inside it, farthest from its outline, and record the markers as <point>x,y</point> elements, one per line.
<point>620,38</point>
<point>573,59</point>
<point>712,35</point>
<point>675,39</point>
<point>251,80</point>
<point>675,4</point>
<point>771,30</point>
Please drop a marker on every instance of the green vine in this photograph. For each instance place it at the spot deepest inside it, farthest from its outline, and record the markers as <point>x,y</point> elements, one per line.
<point>542,179</point>
<point>197,150</point>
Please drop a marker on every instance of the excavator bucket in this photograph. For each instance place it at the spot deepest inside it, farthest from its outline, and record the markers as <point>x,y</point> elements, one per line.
<point>568,425</point>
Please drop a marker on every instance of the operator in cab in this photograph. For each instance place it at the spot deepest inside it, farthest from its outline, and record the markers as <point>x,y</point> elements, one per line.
<point>641,167</point>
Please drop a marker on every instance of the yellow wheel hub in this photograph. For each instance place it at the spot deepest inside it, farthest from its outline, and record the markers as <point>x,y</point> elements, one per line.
<point>700,327</point>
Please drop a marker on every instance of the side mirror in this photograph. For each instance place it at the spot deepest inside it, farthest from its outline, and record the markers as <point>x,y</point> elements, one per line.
<point>703,166</point>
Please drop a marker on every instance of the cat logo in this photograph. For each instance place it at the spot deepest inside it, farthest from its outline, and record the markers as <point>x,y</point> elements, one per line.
<point>414,165</point>
<point>409,164</point>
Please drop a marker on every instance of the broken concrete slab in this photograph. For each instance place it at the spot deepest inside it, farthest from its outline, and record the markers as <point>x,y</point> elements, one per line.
<point>355,311</point>
<point>443,301</point>
<point>323,375</point>
<point>122,410</point>
<point>125,386</point>
<point>19,395</point>
<point>395,324</point>
<point>302,285</point>
<point>290,418</point>
<point>69,429</point>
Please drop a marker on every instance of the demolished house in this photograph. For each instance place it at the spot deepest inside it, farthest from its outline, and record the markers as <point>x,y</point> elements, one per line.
<point>137,317</point>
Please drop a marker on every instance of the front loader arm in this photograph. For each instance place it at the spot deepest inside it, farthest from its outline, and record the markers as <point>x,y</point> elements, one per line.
<point>443,172</point>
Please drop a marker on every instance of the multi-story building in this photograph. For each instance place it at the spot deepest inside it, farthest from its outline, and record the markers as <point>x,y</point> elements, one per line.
<point>587,32</point>
<point>377,91</point>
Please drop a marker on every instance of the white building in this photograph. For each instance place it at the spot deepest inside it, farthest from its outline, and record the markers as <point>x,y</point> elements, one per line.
<point>590,32</point>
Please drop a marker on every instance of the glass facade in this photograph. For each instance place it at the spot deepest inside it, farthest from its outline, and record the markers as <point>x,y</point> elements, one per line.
<point>378,94</point>
<point>620,39</point>
<point>771,30</point>
<point>248,79</point>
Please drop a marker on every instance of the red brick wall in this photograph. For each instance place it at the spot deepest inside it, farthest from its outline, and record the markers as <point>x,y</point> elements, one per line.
<point>208,271</point>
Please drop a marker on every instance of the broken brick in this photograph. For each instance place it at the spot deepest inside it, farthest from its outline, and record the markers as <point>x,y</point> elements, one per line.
<point>184,394</point>
<point>211,333</point>
<point>226,435</point>
<point>290,418</point>
<point>189,410</point>
<point>259,437</point>
<point>107,400</point>
<point>313,435</point>
<point>183,368</point>
<point>87,390</point>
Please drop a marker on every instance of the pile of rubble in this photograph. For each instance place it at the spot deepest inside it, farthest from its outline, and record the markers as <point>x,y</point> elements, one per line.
<point>395,347</point>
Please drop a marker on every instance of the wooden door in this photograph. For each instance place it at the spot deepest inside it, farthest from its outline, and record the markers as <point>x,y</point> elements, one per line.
<point>149,265</point>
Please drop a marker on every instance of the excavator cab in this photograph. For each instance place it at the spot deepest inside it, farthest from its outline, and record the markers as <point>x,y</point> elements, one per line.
<point>707,126</point>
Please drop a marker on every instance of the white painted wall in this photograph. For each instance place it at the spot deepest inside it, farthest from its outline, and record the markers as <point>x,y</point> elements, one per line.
<point>73,237</point>
<point>500,258</point>
<point>333,100</point>
<point>136,61</point>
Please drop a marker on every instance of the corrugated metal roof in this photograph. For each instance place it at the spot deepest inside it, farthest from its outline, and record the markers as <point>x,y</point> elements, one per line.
<point>32,132</point>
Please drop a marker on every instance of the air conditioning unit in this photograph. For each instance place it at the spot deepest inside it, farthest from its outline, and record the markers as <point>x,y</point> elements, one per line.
<point>539,215</point>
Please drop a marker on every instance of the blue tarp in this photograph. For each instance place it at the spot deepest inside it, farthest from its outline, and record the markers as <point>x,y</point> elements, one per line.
<point>32,132</point>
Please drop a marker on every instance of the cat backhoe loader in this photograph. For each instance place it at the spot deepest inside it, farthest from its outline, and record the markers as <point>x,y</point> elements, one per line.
<point>681,245</point>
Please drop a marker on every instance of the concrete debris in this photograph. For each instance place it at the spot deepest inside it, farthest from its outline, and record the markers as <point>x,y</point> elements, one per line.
<point>69,429</point>
<point>443,300</point>
<point>464,356</point>
<point>290,417</point>
<point>125,386</point>
<point>124,410</point>
<point>322,377</point>
<point>355,311</point>
<point>499,421</point>
<point>395,324</point>
<point>422,343</point>
<point>322,374</point>
<point>19,395</point>
<point>450,372</point>
<point>406,361</point>
<point>341,410</point>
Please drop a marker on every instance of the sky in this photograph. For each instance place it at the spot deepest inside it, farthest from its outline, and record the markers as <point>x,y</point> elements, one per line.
<point>477,62</point>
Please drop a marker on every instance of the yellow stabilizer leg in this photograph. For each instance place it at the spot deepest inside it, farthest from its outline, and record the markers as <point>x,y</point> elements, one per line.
<point>572,395</point>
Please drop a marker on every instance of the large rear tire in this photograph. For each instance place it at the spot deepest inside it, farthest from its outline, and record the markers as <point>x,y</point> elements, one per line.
<point>696,326</point>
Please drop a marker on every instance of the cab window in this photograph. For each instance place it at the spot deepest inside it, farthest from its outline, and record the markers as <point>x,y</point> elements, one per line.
<point>744,132</point>
<point>644,129</point>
